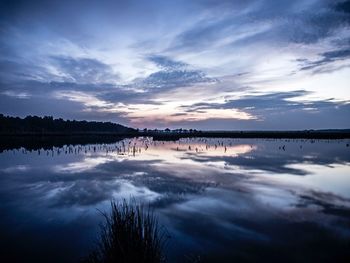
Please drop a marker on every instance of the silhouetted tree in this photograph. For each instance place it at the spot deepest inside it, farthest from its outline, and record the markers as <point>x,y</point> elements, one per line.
<point>46,124</point>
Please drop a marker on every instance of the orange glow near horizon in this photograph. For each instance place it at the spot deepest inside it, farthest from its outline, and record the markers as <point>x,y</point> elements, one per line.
<point>139,114</point>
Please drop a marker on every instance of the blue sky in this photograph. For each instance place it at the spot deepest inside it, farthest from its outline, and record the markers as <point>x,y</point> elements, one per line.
<point>252,64</point>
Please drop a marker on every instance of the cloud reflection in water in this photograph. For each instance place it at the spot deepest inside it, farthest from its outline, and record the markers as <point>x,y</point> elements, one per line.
<point>220,198</point>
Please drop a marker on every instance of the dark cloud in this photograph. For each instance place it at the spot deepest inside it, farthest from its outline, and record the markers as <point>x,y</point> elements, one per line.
<point>85,70</point>
<point>126,96</point>
<point>13,72</point>
<point>36,106</point>
<point>173,74</point>
<point>174,78</point>
<point>276,110</point>
<point>326,58</point>
<point>289,21</point>
<point>93,77</point>
<point>311,27</point>
<point>269,102</point>
<point>70,74</point>
<point>166,63</point>
<point>343,6</point>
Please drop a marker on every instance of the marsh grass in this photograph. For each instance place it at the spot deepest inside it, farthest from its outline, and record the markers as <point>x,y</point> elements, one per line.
<point>130,233</point>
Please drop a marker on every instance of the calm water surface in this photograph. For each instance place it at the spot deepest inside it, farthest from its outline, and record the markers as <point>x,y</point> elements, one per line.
<point>223,200</point>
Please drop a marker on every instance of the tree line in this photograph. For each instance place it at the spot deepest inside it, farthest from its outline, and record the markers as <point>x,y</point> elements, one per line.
<point>47,124</point>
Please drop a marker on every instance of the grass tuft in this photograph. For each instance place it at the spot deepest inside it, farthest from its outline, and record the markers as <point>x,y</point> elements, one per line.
<point>130,233</point>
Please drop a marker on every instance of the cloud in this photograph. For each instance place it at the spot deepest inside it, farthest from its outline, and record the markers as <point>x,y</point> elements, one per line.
<point>174,78</point>
<point>343,6</point>
<point>282,109</point>
<point>286,21</point>
<point>172,74</point>
<point>13,72</point>
<point>166,63</point>
<point>268,102</point>
<point>233,38</point>
<point>20,95</point>
<point>84,70</point>
<point>326,59</point>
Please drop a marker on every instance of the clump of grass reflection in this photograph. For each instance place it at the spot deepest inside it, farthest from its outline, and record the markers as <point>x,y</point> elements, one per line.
<point>130,233</point>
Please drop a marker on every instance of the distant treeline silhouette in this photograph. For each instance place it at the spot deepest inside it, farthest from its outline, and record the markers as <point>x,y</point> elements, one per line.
<point>47,124</point>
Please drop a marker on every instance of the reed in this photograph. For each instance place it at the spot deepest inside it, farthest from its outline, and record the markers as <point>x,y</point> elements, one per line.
<point>130,233</point>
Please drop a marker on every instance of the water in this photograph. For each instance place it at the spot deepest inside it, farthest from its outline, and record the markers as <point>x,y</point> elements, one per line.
<point>222,200</point>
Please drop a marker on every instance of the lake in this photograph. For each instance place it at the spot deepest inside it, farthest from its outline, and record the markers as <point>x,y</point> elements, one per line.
<point>221,200</point>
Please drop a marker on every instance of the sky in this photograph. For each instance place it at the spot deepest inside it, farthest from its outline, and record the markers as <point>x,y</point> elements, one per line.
<point>204,64</point>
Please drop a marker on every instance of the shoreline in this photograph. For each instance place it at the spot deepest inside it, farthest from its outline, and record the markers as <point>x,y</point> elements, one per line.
<point>162,135</point>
